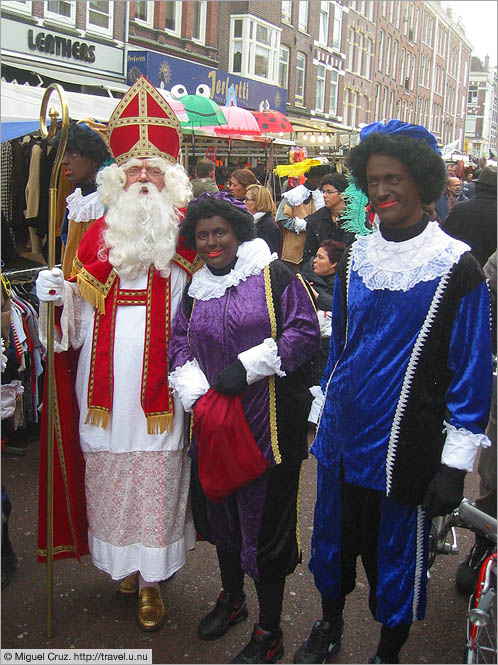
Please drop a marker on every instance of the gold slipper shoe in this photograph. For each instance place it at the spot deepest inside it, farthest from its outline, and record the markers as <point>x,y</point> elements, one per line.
<point>129,585</point>
<point>151,612</point>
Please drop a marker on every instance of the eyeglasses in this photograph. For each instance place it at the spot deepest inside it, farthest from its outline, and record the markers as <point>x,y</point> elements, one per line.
<point>248,199</point>
<point>327,191</point>
<point>151,171</point>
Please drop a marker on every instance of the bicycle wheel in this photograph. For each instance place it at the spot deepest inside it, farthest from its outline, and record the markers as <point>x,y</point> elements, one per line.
<point>481,619</point>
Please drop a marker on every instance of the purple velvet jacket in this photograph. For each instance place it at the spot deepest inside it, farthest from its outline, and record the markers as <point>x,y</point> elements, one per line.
<point>274,303</point>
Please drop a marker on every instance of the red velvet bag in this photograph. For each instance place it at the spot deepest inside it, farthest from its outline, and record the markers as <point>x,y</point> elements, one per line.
<point>228,455</point>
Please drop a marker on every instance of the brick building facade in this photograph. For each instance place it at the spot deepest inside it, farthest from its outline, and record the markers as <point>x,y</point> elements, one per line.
<point>331,65</point>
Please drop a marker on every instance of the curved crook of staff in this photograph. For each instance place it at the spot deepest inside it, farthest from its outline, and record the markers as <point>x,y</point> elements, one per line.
<point>51,387</point>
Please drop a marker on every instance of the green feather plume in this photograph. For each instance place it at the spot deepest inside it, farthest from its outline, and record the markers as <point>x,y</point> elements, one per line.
<point>354,216</point>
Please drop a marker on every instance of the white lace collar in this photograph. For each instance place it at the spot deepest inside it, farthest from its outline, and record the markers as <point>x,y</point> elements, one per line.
<point>399,266</point>
<point>253,256</point>
<point>300,193</point>
<point>84,208</point>
<point>257,216</point>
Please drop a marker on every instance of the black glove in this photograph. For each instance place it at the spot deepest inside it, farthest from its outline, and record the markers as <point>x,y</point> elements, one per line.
<point>445,491</point>
<point>232,380</point>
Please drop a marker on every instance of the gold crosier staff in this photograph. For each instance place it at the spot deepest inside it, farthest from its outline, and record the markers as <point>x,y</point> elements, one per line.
<point>51,394</point>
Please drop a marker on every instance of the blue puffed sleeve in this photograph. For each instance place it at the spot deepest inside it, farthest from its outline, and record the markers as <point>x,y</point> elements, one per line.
<point>470,359</point>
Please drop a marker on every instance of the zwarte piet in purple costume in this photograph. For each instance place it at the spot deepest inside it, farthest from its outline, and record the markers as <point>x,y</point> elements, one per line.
<point>260,313</point>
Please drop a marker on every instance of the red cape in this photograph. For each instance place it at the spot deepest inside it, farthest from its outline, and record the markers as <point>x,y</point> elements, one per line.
<point>70,532</point>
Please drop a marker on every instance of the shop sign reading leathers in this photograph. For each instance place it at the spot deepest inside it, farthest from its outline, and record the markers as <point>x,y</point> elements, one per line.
<point>24,44</point>
<point>45,42</point>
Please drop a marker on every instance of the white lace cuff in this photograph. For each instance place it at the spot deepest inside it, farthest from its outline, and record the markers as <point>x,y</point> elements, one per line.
<point>261,360</point>
<point>189,383</point>
<point>460,448</point>
<point>67,336</point>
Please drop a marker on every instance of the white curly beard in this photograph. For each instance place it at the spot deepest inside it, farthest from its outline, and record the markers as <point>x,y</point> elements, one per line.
<point>142,230</point>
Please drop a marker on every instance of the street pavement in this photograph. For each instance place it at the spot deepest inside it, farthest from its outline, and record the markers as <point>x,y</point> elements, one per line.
<point>88,613</point>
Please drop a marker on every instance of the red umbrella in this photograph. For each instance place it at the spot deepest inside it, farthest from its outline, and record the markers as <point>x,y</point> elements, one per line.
<point>272,122</point>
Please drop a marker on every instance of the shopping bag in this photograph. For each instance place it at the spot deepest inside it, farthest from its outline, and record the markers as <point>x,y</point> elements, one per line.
<point>228,455</point>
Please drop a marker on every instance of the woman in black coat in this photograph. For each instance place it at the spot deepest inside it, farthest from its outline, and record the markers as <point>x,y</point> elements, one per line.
<point>320,274</point>
<point>260,204</point>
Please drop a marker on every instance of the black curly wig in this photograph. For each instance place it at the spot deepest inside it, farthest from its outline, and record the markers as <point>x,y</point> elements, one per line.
<point>424,164</point>
<point>337,180</point>
<point>242,222</point>
<point>87,143</point>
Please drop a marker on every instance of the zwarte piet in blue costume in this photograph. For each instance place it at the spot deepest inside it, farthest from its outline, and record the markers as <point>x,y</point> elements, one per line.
<point>407,392</point>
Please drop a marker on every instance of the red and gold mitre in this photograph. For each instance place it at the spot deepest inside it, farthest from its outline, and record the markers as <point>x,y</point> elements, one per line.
<point>143,124</point>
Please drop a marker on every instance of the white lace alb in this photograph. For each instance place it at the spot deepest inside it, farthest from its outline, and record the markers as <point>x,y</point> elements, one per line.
<point>84,208</point>
<point>252,257</point>
<point>399,266</point>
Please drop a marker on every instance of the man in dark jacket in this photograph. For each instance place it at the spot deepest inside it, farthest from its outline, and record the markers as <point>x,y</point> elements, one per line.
<point>474,221</point>
<point>451,195</point>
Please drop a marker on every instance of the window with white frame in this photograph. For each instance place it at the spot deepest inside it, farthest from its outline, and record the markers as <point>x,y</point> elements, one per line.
<point>320,88</point>
<point>334,86</point>
<point>388,55</point>
<point>323,31</point>
<point>61,11</point>
<point>286,11</point>
<point>405,18</point>
<point>173,16</point>
<point>283,67</point>
<point>394,67</point>
<point>402,68</point>
<point>144,12</point>
<point>368,58</point>
<point>354,108</point>
<point>377,102</point>
<point>412,73</point>
<point>302,22</point>
<point>199,21</point>
<point>23,6</point>
<point>236,59</point>
<point>384,103</point>
<point>359,62</point>
<point>380,59</point>
<point>392,7</point>
<point>254,48</point>
<point>370,10</point>
<point>336,35</point>
<point>411,24</point>
<point>407,71</point>
<point>99,17</point>
<point>391,104</point>
<point>351,48</point>
<point>347,106</point>
<point>300,74</point>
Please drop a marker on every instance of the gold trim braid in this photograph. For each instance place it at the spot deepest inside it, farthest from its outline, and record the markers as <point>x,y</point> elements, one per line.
<point>271,381</point>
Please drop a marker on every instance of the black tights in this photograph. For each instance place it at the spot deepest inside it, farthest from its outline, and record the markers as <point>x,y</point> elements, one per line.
<point>270,594</point>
